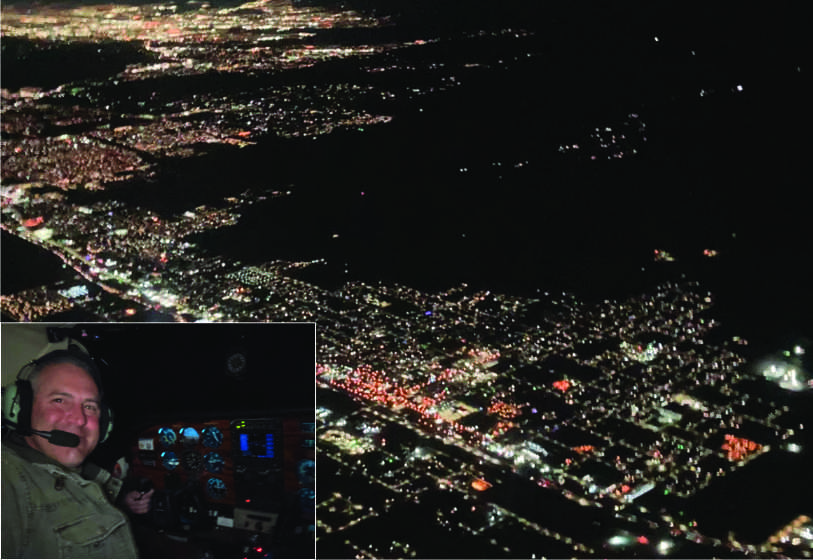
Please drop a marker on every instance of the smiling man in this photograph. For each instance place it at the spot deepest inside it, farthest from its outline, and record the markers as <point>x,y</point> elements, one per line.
<point>65,398</point>
<point>54,504</point>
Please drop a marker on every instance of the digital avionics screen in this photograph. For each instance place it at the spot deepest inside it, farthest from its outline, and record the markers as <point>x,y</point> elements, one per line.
<point>260,445</point>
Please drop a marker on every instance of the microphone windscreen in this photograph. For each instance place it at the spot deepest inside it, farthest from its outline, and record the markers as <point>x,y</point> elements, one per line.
<point>64,439</point>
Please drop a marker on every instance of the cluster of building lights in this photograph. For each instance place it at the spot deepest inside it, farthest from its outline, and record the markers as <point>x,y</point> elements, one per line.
<point>738,448</point>
<point>562,385</point>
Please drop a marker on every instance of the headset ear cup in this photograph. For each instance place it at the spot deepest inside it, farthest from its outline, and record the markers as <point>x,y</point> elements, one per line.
<point>21,405</point>
<point>18,399</point>
<point>11,407</point>
<point>105,423</point>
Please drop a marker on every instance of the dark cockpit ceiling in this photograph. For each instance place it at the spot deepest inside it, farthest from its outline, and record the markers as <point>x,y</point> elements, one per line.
<point>155,372</point>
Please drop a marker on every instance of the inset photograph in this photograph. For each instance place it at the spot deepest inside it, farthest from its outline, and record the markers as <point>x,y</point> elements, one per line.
<point>158,440</point>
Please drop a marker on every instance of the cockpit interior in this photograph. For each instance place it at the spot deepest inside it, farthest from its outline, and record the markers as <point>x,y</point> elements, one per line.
<point>217,420</point>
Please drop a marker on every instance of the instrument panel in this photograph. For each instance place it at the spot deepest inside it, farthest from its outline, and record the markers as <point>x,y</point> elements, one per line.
<point>172,455</point>
<point>249,477</point>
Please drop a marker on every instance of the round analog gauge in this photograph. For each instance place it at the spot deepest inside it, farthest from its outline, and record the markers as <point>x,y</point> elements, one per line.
<point>216,488</point>
<point>189,436</point>
<point>167,437</point>
<point>305,472</point>
<point>236,363</point>
<point>192,461</point>
<point>169,459</point>
<point>211,437</point>
<point>213,462</point>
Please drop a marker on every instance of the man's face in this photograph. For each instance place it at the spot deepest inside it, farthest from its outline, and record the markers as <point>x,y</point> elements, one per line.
<point>65,398</point>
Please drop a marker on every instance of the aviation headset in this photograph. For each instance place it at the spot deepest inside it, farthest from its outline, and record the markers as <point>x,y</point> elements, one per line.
<point>18,399</point>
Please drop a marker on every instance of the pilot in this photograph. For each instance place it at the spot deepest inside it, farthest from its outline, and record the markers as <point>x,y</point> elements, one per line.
<point>54,503</point>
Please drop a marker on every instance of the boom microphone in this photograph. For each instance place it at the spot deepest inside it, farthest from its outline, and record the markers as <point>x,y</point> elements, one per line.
<point>58,437</point>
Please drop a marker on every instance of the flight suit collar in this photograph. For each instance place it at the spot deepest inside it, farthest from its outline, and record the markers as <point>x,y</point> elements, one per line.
<point>21,447</point>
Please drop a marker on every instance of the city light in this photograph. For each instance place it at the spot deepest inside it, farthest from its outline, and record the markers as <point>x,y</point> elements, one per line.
<point>788,376</point>
<point>738,448</point>
<point>480,484</point>
<point>665,546</point>
<point>563,385</point>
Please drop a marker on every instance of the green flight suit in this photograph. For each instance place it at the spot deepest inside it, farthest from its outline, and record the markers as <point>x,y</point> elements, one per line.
<point>51,511</point>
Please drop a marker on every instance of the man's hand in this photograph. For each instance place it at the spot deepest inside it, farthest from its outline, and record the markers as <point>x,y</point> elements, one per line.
<point>138,502</point>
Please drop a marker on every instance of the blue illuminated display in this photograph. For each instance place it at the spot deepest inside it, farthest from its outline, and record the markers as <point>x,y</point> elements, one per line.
<point>257,445</point>
<point>269,445</point>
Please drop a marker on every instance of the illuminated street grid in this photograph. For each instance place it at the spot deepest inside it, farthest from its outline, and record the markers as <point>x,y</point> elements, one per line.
<point>181,37</point>
<point>599,403</point>
<point>140,258</point>
<point>260,38</point>
<point>99,135</point>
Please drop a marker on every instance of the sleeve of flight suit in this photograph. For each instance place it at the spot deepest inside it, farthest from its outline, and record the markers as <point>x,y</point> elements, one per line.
<point>13,515</point>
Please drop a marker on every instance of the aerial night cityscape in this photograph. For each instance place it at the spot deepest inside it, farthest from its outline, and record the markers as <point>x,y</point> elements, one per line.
<point>556,254</point>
